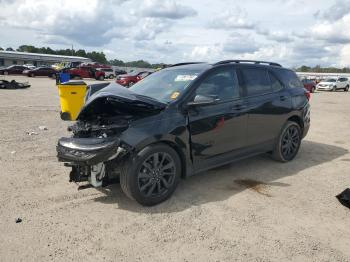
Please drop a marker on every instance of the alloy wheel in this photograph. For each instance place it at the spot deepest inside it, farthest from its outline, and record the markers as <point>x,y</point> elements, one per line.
<point>290,142</point>
<point>156,175</point>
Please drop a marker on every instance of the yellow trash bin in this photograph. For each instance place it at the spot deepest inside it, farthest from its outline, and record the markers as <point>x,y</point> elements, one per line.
<point>72,95</point>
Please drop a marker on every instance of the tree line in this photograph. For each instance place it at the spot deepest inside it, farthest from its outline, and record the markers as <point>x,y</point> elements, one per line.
<point>319,69</point>
<point>100,57</point>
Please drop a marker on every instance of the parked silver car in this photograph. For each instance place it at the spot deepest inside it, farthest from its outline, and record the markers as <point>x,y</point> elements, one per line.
<point>109,73</point>
<point>334,84</point>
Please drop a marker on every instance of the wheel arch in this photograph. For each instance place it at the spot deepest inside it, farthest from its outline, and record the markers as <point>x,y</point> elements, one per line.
<point>179,149</point>
<point>298,120</point>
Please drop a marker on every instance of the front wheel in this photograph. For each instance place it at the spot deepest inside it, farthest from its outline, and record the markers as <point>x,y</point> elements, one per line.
<point>152,175</point>
<point>288,143</point>
<point>346,89</point>
<point>101,78</point>
<point>313,89</point>
<point>334,89</point>
<point>131,83</point>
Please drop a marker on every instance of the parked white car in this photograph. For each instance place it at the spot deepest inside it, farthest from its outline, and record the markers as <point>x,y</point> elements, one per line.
<point>334,84</point>
<point>109,73</point>
<point>30,66</point>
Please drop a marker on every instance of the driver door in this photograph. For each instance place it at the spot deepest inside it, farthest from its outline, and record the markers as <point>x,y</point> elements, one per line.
<point>217,130</point>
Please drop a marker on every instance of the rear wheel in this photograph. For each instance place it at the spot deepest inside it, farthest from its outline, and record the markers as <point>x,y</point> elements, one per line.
<point>131,83</point>
<point>6,73</point>
<point>334,88</point>
<point>101,78</point>
<point>313,89</point>
<point>346,89</point>
<point>152,175</point>
<point>31,75</point>
<point>288,142</point>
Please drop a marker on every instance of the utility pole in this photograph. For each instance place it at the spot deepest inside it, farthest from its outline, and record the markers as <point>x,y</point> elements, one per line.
<point>72,50</point>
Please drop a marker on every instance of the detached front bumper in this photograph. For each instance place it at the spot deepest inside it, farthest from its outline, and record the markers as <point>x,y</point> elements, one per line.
<point>87,151</point>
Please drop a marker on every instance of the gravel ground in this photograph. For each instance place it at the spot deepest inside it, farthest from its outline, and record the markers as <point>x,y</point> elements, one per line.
<point>252,210</point>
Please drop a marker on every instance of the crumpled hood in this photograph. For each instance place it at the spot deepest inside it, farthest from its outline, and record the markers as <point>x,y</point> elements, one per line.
<point>115,99</point>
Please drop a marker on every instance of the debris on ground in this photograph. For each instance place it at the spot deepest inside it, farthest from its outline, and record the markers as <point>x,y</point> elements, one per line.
<point>18,220</point>
<point>13,152</point>
<point>42,128</point>
<point>13,84</point>
<point>344,197</point>
<point>32,133</point>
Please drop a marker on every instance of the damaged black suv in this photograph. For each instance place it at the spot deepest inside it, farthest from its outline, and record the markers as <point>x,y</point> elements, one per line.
<point>185,119</point>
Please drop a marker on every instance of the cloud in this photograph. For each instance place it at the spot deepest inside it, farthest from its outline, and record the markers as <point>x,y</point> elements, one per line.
<point>337,11</point>
<point>232,19</point>
<point>166,9</point>
<point>150,28</point>
<point>278,36</point>
<point>76,21</point>
<point>240,44</point>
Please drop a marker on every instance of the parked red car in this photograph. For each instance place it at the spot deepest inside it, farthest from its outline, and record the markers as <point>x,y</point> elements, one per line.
<point>132,78</point>
<point>309,85</point>
<point>95,65</point>
<point>12,70</point>
<point>86,72</point>
<point>40,71</point>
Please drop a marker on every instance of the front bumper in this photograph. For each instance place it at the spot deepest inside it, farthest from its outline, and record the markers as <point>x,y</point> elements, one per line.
<point>87,151</point>
<point>326,88</point>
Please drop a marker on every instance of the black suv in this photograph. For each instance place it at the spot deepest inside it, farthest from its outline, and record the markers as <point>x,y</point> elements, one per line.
<point>185,119</point>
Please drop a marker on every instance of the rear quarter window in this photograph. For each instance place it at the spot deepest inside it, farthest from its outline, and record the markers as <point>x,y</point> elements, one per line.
<point>256,81</point>
<point>289,78</point>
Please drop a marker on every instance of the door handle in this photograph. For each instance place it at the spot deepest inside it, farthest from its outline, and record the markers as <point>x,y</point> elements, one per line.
<point>239,107</point>
<point>283,98</point>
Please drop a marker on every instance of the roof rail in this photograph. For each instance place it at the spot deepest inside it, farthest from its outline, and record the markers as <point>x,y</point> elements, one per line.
<point>247,61</point>
<point>185,63</point>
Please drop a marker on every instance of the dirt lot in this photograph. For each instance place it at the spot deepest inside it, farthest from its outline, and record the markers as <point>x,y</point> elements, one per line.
<point>253,210</point>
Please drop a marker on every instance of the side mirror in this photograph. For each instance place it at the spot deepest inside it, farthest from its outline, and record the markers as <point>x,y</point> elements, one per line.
<point>201,100</point>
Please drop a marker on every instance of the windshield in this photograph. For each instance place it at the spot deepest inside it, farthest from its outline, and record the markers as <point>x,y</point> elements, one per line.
<point>329,80</point>
<point>166,85</point>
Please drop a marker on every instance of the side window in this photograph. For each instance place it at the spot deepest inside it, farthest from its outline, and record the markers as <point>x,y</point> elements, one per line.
<point>221,84</point>
<point>275,83</point>
<point>256,81</point>
<point>289,78</point>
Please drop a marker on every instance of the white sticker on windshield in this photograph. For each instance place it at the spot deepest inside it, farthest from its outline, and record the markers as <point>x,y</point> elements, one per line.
<point>181,78</point>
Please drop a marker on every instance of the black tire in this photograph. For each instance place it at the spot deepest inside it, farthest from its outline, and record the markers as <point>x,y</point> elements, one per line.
<point>31,75</point>
<point>313,89</point>
<point>6,73</point>
<point>137,177</point>
<point>131,83</point>
<point>281,152</point>
<point>334,89</point>
<point>111,76</point>
<point>101,78</point>
<point>346,89</point>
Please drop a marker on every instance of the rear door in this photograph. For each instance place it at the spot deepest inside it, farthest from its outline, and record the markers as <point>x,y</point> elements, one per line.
<point>219,129</point>
<point>342,82</point>
<point>268,104</point>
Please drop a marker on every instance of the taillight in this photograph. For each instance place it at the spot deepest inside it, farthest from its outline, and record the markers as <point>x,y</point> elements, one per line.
<point>308,95</point>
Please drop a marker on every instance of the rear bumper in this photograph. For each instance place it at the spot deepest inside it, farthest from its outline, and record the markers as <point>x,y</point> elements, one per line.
<point>122,82</point>
<point>87,151</point>
<point>306,119</point>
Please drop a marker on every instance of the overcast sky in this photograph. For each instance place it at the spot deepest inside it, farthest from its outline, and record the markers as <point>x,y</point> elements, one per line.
<point>292,32</point>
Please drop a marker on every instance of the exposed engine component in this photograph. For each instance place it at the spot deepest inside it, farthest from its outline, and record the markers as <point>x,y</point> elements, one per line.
<point>97,174</point>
